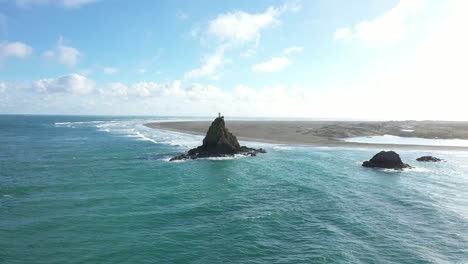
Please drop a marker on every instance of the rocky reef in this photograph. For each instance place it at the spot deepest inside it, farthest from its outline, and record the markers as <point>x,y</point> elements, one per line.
<point>386,160</point>
<point>428,159</point>
<point>218,142</point>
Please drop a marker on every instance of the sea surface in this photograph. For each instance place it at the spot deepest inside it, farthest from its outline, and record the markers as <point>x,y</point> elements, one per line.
<point>101,190</point>
<point>390,139</point>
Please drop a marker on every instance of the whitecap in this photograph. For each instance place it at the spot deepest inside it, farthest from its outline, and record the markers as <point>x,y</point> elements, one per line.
<point>236,156</point>
<point>417,169</point>
<point>284,147</point>
<point>390,139</point>
<point>392,170</point>
<point>77,123</point>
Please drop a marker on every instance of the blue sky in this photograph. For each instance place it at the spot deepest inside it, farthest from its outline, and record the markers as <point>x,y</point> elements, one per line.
<point>337,59</point>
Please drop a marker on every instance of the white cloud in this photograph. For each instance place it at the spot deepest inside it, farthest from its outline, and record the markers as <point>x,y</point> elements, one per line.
<point>64,54</point>
<point>276,64</point>
<point>170,91</point>
<point>241,27</point>
<point>210,65</point>
<point>142,70</point>
<point>293,49</point>
<point>215,77</point>
<point>64,3</point>
<point>110,70</point>
<point>197,99</point>
<point>71,83</point>
<point>392,26</point>
<point>3,87</point>
<point>275,101</point>
<point>15,49</point>
<point>143,89</point>
<point>116,89</point>
<point>293,6</point>
<point>342,33</point>
<point>88,103</point>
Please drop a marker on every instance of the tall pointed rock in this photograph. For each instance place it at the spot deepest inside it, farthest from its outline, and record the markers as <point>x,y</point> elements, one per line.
<point>218,142</point>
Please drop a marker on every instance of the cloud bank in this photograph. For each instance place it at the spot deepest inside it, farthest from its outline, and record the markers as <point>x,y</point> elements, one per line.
<point>391,26</point>
<point>70,84</point>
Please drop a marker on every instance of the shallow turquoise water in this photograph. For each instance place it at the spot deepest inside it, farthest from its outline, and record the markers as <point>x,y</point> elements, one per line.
<point>389,139</point>
<point>100,190</point>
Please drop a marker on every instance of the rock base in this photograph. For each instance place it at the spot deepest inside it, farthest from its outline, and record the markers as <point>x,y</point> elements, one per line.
<point>386,160</point>
<point>218,142</point>
<point>199,153</point>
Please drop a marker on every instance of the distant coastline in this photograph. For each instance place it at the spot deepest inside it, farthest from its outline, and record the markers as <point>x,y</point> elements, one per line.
<point>325,133</point>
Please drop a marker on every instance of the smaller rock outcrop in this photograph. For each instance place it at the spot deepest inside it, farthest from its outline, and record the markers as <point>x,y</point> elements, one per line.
<point>386,160</point>
<point>428,159</point>
<point>218,142</point>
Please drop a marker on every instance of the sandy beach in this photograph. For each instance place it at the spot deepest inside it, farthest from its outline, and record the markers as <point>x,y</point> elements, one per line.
<point>325,133</point>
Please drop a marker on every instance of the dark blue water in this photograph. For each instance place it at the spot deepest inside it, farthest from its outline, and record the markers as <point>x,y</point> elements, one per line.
<point>101,190</point>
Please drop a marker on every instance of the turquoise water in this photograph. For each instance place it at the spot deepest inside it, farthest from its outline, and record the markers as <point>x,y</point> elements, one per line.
<point>389,139</point>
<point>100,190</point>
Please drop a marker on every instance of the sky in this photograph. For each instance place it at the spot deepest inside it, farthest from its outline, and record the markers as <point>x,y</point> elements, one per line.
<point>337,59</point>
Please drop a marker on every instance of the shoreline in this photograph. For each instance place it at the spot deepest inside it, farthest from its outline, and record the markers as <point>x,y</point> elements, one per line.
<point>289,133</point>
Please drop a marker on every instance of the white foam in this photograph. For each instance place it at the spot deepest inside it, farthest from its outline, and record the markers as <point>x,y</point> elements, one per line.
<point>236,156</point>
<point>134,128</point>
<point>176,161</point>
<point>392,170</point>
<point>281,147</point>
<point>390,139</point>
<point>77,123</point>
<point>417,169</point>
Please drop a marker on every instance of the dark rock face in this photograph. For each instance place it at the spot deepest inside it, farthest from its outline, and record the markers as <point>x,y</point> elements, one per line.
<point>429,159</point>
<point>218,142</point>
<point>386,160</point>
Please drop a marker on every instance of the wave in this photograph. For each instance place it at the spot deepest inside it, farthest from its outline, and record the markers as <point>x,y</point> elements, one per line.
<point>417,169</point>
<point>140,136</point>
<point>135,129</point>
<point>76,123</point>
<point>390,139</point>
<point>236,156</point>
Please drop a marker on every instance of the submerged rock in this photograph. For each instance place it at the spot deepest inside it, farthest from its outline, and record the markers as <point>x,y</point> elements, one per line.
<point>386,160</point>
<point>429,159</point>
<point>218,142</point>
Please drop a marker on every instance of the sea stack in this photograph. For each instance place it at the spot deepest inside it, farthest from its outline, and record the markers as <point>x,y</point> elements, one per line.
<point>386,160</point>
<point>218,142</point>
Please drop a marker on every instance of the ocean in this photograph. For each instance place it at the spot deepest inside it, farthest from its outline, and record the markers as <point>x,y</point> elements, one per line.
<point>94,189</point>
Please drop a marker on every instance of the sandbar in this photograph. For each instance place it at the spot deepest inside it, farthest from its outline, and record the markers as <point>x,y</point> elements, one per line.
<point>328,133</point>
